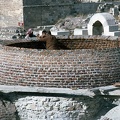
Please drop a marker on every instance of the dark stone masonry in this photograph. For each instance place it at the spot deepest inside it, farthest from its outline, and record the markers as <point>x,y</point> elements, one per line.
<point>36,12</point>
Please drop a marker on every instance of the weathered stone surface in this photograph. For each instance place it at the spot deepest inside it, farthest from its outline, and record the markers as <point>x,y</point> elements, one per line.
<point>54,108</point>
<point>41,11</point>
<point>19,107</point>
<point>11,12</point>
<point>7,110</point>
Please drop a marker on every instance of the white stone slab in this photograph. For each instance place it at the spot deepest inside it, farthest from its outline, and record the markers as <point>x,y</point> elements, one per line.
<point>115,33</point>
<point>46,27</point>
<point>81,92</point>
<point>80,31</point>
<point>60,32</point>
<point>57,32</point>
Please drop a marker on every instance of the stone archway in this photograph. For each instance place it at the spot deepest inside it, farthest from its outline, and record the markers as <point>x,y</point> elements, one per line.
<point>97,28</point>
<point>103,24</point>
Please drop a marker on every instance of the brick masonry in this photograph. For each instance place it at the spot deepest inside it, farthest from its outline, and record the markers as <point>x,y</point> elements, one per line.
<point>92,64</point>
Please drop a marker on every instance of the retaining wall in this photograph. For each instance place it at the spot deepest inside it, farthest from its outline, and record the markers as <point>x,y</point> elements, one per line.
<point>78,68</point>
<point>48,12</point>
<point>58,108</point>
<point>16,106</point>
<point>38,12</point>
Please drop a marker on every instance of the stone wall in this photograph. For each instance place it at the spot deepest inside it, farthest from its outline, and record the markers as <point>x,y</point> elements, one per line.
<point>78,68</point>
<point>48,12</point>
<point>39,12</point>
<point>58,108</point>
<point>11,12</point>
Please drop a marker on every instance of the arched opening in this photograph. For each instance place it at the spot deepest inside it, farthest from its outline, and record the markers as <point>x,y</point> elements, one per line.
<point>97,28</point>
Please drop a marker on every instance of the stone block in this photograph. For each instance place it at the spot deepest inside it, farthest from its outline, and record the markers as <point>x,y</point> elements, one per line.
<point>111,28</point>
<point>57,32</point>
<point>60,32</point>
<point>46,27</point>
<point>115,33</point>
<point>80,31</point>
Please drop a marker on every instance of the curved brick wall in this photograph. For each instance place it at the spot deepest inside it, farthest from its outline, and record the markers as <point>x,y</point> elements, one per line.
<point>80,68</point>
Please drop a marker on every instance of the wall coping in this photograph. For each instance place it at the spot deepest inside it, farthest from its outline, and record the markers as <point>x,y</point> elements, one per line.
<point>29,89</point>
<point>6,41</point>
<point>104,90</point>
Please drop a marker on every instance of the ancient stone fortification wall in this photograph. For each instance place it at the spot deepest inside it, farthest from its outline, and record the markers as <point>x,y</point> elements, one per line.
<point>11,12</point>
<point>50,11</point>
<point>80,68</point>
<point>39,12</point>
